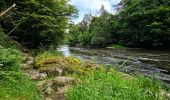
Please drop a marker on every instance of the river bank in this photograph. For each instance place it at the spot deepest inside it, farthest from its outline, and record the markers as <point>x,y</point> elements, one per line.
<point>68,78</point>
<point>147,62</point>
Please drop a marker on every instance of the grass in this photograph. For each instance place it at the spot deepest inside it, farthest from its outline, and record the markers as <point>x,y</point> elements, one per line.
<point>117,46</point>
<point>94,82</point>
<point>14,85</point>
<point>113,85</point>
<point>69,65</point>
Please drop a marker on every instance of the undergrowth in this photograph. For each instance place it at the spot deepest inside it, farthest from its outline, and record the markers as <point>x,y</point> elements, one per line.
<point>113,85</point>
<point>14,84</point>
<point>96,82</point>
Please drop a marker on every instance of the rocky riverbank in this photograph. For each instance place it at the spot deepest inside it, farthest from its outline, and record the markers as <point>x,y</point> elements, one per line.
<point>55,75</point>
<point>50,74</point>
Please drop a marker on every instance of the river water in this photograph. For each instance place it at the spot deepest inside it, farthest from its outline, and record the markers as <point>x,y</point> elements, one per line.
<point>147,62</point>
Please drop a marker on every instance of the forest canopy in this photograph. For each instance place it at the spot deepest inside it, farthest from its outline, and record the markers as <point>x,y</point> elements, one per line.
<point>137,23</point>
<point>35,23</point>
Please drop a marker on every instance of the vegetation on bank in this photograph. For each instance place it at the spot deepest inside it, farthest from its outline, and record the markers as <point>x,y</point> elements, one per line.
<point>42,23</point>
<point>14,84</point>
<point>117,46</point>
<point>137,23</point>
<point>29,24</point>
<point>36,23</point>
<point>113,85</point>
<point>94,82</point>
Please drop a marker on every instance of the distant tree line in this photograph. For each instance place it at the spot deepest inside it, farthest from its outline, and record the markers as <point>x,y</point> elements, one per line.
<point>137,23</point>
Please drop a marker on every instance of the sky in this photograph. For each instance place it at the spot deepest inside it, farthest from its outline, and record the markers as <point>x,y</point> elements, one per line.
<point>92,6</point>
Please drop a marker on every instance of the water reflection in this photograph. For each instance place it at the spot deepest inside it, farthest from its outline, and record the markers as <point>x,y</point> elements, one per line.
<point>65,50</point>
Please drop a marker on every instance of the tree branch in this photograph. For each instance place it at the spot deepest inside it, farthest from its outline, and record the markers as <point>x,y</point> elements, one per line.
<point>3,13</point>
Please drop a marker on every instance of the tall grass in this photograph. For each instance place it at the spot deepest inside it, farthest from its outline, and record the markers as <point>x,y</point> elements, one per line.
<point>14,85</point>
<point>113,85</point>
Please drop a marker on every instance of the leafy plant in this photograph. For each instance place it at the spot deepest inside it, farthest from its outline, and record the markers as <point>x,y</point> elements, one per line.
<point>113,85</point>
<point>9,60</point>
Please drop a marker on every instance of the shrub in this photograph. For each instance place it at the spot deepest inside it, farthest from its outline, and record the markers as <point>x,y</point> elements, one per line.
<point>9,60</point>
<point>6,42</point>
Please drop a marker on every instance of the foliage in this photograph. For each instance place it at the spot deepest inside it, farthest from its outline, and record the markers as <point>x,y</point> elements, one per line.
<point>94,82</point>
<point>69,65</point>
<point>113,85</point>
<point>144,23</point>
<point>94,31</point>
<point>137,23</point>
<point>117,46</point>
<point>16,86</point>
<point>73,34</point>
<point>10,59</point>
<point>37,22</point>
<point>5,41</point>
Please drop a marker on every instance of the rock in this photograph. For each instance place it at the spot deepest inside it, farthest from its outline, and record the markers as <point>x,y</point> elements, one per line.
<point>45,86</point>
<point>25,66</point>
<point>63,81</point>
<point>41,85</point>
<point>30,62</point>
<point>165,94</point>
<point>62,90</point>
<point>36,75</point>
<point>49,90</point>
<point>48,99</point>
<point>53,71</point>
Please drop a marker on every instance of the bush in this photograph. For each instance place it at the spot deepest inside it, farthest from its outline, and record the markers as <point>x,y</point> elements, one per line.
<point>6,42</point>
<point>9,60</point>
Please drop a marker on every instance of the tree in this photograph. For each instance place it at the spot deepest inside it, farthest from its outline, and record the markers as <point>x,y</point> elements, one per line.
<point>84,24</point>
<point>100,29</point>
<point>144,23</point>
<point>38,22</point>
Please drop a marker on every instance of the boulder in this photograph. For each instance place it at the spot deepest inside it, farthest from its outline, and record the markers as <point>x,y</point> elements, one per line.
<point>63,81</point>
<point>26,66</point>
<point>36,75</point>
<point>49,90</point>
<point>48,99</point>
<point>54,71</point>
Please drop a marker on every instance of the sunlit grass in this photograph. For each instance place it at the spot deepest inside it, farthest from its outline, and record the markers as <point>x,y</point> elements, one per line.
<point>113,85</point>
<point>117,46</point>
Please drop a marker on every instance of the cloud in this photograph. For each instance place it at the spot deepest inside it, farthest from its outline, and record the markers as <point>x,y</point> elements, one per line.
<point>87,6</point>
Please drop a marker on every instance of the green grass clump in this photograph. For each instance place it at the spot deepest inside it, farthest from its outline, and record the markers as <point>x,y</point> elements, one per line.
<point>6,41</point>
<point>10,59</point>
<point>117,46</point>
<point>14,85</point>
<point>69,65</point>
<point>113,85</point>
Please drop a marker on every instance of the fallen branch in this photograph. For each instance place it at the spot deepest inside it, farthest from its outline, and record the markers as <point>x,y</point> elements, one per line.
<point>11,30</point>
<point>3,13</point>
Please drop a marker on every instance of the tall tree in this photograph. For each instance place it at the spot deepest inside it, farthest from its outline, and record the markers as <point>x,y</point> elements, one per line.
<point>145,23</point>
<point>37,22</point>
<point>100,28</point>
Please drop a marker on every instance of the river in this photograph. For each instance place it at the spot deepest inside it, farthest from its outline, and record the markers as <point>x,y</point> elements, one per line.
<point>130,60</point>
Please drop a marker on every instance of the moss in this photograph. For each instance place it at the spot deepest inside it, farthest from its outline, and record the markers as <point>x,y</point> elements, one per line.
<point>68,64</point>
